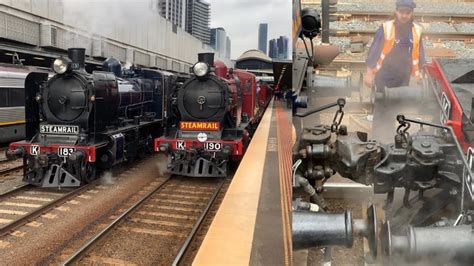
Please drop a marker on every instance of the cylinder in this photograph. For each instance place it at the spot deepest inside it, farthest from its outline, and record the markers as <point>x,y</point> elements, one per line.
<point>319,151</point>
<point>207,58</point>
<point>77,56</point>
<point>316,229</point>
<point>444,244</point>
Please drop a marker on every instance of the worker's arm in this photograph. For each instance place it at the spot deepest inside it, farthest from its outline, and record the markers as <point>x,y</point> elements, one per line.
<point>373,56</point>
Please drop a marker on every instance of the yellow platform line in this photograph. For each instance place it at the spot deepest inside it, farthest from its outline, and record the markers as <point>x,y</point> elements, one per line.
<point>230,236</point>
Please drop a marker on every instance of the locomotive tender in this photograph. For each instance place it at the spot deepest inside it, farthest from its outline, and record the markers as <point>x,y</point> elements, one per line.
<point>77,122</point>
<point>216,111</point>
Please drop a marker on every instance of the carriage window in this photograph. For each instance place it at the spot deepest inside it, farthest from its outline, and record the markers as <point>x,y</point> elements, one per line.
<point>17,97</point>
<point>3,97</point>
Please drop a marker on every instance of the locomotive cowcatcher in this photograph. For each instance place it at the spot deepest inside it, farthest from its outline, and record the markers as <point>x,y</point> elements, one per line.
<point>77,122</point>
<point>217,111</point>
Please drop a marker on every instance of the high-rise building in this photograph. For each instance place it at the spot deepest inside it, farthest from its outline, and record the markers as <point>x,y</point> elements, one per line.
<point>174,11</point>
<point>219,41</point>
<point>279,48</point>
<point>228,48</point>
<point>282,44</point>
<point>197,19</point>
<point>262,37</point>
<point>272,48</point>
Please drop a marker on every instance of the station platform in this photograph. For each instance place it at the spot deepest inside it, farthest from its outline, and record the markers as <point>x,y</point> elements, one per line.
<point>253,223</point>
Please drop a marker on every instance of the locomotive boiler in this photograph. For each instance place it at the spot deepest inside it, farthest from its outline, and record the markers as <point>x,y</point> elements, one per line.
<point>78,121</point>
<point>216,111</point>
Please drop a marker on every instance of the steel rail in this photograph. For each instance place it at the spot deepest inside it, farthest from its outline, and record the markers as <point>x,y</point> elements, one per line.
<point>11,169</point>
<point>39,211</point>
<point>381,15</point>
<point>431,35</point>
<point>14,190</point>
<point>82,250</point>
<point>196,226</point>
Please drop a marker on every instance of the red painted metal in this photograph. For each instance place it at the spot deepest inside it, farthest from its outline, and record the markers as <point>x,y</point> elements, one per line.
<point>456,115</point>
<point>90,151</point>
<point>238,148</point>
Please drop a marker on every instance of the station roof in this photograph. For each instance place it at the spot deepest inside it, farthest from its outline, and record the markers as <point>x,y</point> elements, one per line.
<point>254,54</point>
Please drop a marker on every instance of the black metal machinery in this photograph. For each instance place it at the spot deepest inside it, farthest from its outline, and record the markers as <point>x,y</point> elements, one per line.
<point>429,162</point>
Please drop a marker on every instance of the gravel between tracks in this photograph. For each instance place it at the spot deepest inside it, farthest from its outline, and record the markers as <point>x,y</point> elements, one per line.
<point>461,49</point>
<point>201,234</point>
<point>50,233</point>
<point>341,255</point>
<point>152,233</point>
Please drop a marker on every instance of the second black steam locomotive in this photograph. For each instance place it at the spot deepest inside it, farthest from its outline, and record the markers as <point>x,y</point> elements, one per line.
<point>78,122</point>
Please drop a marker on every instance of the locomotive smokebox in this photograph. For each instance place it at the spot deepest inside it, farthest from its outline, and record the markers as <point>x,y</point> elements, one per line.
<point>78,57</point>
<point>207,58</point>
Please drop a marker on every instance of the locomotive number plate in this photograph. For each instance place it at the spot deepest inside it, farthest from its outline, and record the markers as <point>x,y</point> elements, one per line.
<point>213,146</point>
<point>181,145</point>
<point>34,150</point>
<point>65,151</point>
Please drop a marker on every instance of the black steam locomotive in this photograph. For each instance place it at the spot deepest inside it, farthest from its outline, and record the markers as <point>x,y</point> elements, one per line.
<point>78,122</point>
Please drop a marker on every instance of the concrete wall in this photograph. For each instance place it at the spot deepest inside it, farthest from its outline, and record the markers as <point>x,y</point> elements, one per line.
<point>132,25</point>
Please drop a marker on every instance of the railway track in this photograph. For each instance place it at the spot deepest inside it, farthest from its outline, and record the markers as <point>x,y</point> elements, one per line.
<point>25,203</point>
<point>436,36</point>
<point>10,169</point>
<point>157,229</point>
<point>422,17</point>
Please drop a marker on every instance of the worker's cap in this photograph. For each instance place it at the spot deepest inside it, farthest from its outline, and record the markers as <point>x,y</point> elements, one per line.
<point>405,4</point>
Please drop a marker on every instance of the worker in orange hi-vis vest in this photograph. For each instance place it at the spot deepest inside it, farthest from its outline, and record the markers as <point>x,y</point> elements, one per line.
<point>397,50</point>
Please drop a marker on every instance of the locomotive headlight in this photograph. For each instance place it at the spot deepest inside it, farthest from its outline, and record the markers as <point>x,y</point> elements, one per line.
<point>61,65</point>
<point>200,69</point>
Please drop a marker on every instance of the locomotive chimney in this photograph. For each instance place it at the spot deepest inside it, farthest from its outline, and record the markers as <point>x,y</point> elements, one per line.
<point>207,58</point>
<point>78,57</point>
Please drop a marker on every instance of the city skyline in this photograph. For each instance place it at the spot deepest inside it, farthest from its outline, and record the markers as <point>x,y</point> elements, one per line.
<point>220,42</point>
<point>243,30</point>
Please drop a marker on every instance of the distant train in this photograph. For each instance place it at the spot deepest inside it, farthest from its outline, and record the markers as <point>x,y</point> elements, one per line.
<point>77,122</point>
<point>216,113</point>
<point>12,105</point>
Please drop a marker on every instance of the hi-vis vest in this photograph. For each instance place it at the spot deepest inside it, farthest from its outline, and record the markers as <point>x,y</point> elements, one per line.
<point>389,41</point>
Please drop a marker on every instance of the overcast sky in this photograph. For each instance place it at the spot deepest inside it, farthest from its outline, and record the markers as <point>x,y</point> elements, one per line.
<point>240,19</point>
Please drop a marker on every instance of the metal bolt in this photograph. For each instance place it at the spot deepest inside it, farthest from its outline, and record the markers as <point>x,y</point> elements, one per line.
<point>425,144</point>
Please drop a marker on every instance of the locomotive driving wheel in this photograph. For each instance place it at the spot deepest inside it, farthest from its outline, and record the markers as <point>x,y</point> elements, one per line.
<point>88,172</point>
